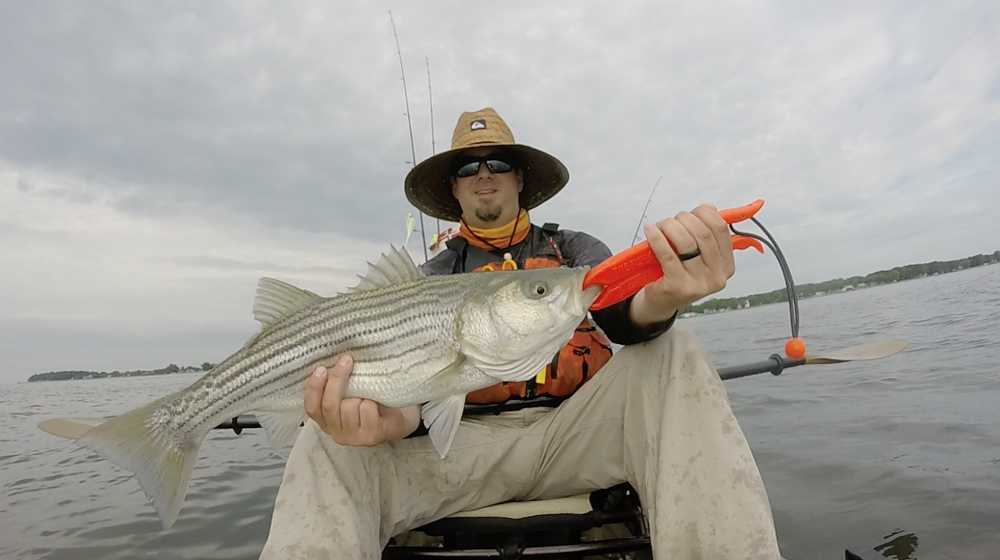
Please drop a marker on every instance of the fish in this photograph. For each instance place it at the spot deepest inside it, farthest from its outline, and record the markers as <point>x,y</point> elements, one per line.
<point>415,339</point>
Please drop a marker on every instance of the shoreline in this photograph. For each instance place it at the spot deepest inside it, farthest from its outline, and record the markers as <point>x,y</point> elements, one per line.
<point>725,305</point>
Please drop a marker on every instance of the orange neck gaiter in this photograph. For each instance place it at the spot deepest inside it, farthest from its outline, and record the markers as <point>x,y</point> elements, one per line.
<point>501,237</point>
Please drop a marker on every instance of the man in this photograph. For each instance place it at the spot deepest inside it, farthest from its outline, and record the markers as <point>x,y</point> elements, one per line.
<point>655,415</point>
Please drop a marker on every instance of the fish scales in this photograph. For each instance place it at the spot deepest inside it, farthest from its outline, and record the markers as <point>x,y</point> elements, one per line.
<point>350,329</point>
<point>304,338</point>
<point>415,340</point>
<point>354,319</point>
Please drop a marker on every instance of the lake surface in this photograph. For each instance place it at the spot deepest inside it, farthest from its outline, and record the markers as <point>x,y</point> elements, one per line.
<point>901,454</point>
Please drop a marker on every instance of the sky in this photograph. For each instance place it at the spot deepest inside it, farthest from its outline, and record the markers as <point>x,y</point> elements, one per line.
<point>158,158</point>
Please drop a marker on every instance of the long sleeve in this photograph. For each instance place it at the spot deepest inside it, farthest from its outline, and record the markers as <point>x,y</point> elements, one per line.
<point>581,249</point>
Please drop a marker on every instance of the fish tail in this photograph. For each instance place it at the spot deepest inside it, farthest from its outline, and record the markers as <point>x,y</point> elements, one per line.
<point>162,464</point>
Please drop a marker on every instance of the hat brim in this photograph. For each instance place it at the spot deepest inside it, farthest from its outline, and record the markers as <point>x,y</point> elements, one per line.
<point>428,185</point>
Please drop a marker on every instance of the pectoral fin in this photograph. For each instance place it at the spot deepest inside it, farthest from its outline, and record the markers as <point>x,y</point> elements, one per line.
<point>442,418</point>
<point>509,371</point>
<point>280,425</point>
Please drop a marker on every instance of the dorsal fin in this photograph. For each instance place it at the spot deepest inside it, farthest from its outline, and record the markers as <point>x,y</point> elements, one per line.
<point>394,268</point>
<point>275,299</point>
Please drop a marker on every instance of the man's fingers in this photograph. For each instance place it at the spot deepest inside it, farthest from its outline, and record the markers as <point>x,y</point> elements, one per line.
<point>664,252</point>
<point>658,235</point>
<point>677,232</point>
<point>711,218</point>
<point>720,229</point>
<point>336,386</point>
<point>315,386</point>
<point>350,417</point>
<point>371,421</point>
<point>708,247</point>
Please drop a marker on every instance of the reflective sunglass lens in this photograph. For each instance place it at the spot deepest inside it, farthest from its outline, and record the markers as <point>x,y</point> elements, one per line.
<point>497,166</point>
<point>472,167</point>
<point>468,170</point>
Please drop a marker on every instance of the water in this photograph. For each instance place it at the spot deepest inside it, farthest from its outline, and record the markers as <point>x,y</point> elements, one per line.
<point>892,452</point>
<point>901,454</point>
<point>61,502</point>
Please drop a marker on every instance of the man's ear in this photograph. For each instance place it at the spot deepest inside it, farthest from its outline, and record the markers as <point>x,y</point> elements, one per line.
<point>454,187</point>
<point>520,180</point>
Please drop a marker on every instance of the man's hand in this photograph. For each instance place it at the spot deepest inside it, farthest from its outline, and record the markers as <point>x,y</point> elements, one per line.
<point>354,421</point>
<point>685,281</point>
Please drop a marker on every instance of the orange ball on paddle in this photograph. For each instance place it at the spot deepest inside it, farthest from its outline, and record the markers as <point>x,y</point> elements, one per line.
<point>795,348</point>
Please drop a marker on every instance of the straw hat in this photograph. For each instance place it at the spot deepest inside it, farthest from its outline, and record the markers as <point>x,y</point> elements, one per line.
<point>428,185</point>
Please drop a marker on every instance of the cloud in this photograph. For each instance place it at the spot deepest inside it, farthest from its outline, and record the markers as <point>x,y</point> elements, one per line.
<point>79,267</point>
<point>156,158</point>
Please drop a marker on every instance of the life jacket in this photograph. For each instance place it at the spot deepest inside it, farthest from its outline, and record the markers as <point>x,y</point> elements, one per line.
<point>575,363</point>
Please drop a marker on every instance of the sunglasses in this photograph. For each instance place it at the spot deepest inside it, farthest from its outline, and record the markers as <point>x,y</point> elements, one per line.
<point>469,167</point>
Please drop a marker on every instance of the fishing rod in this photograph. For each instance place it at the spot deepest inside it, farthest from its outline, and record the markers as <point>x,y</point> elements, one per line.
<point>430,99</point>
<point>635,236</point>
<point>409,124</point>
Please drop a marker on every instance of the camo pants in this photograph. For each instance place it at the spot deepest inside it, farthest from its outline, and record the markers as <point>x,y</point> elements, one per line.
<point>657,415</point>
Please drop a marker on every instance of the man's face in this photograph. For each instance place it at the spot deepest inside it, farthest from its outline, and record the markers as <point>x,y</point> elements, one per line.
<point>488,199</point>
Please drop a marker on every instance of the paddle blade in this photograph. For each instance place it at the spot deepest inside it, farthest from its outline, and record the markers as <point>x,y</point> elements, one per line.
<point>71,428</point>
<point>869,351</point>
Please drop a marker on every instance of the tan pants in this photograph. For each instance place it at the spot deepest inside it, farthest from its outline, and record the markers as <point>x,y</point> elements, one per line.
<point>657,415</point>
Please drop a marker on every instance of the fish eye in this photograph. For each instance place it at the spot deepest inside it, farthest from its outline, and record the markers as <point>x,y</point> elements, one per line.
<point>539,289</point>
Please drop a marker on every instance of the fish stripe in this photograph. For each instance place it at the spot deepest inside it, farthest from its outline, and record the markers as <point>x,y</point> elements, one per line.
<point>287,354</point>
<point>418,317</point>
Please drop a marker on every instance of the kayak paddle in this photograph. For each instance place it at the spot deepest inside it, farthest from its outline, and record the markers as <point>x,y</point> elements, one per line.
<point>73,428</point>
<point>776,363</point>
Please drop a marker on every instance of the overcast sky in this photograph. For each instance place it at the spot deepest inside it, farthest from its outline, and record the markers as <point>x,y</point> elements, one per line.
<point>157,158</point>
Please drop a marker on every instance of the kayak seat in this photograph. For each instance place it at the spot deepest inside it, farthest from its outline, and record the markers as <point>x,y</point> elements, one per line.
<point>607,521</point>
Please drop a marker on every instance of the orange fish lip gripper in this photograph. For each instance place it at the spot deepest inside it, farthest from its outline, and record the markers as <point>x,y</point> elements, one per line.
<point>627,272</point>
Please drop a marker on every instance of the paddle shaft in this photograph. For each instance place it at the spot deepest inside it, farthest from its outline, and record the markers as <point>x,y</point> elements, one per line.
<point>774,365</point>
<point>240,423</point>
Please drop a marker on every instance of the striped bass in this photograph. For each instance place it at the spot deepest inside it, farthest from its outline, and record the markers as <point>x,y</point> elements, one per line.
<point>415,340</point>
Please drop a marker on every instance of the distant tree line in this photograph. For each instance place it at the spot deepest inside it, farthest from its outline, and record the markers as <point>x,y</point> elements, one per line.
<point>889,276</point>
<point>73,374</point>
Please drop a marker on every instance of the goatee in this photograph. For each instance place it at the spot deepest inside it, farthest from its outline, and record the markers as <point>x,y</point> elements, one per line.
<point>489,213</point>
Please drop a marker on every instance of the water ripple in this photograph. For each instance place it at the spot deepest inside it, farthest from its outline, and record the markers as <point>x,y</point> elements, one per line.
<point>893,453</point>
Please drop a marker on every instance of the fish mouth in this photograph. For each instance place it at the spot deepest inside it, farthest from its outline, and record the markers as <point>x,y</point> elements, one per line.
<point>586,297</point>
<point>590,295</point>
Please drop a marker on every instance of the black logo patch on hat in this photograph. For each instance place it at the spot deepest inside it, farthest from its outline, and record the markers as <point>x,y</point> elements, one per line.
<point>478,124</point>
